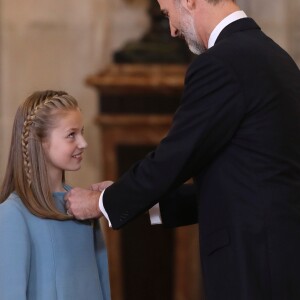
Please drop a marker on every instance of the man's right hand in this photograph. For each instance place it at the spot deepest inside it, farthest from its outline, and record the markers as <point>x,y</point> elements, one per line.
<point>101,186</point>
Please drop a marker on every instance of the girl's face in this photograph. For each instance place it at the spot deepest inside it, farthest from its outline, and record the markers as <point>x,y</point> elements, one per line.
<point>65,144</point>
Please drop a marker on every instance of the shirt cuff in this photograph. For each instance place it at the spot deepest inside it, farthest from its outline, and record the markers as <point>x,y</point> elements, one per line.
<point>101,207</point>
<point>155,216</point>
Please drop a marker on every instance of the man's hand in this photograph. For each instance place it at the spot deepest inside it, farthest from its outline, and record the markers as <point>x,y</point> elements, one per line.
<point>101,185</point>
<point>83,204</point>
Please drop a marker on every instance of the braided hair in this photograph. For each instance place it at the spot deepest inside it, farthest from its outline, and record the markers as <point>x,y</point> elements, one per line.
<point>26,172</point>
<point>29,121</point>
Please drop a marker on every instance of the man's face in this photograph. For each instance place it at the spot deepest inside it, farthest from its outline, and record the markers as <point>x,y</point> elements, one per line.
<point>181,24</point>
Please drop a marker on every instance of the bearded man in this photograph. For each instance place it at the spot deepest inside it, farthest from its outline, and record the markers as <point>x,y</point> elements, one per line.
<point>237,134</point>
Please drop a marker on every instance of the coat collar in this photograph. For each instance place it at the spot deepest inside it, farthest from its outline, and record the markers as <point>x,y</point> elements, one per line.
<point>236,26</point>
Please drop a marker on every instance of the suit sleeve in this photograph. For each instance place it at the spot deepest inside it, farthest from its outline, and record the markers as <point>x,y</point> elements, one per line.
<point>210,112</point>
<point>180,207</point>
<point>14,253</point>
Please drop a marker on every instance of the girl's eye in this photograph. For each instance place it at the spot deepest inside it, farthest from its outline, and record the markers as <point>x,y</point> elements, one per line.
<point>71,135</point>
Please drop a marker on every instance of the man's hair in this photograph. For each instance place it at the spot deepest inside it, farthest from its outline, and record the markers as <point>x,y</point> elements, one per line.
<point>26,172</point>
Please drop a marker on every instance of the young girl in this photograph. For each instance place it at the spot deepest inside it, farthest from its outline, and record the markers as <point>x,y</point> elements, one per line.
<point>44,253</point>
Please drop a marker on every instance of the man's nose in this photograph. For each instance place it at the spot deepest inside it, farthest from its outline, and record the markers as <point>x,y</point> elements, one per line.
<point>174,31</point>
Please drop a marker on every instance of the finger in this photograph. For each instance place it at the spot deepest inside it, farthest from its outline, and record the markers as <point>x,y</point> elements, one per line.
<point>108,183</point>
<point>104,184</point>
<point>95,187</point>
<point>66,196</point>
<point>69,213</point>
<point>67,204</point>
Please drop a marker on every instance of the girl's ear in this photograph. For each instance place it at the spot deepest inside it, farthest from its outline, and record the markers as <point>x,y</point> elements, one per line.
<point>188,4</point>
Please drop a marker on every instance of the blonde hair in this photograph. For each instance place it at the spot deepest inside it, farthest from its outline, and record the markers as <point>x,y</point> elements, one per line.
<point>26,172</point>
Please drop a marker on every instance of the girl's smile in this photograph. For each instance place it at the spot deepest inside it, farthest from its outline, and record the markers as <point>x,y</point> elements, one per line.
<point>64,145</point>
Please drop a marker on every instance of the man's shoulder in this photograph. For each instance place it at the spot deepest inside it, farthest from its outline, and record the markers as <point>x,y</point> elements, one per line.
<point>208,63</point>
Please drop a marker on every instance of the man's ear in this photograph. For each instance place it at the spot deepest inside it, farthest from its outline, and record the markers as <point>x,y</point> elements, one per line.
<point>188,4</point>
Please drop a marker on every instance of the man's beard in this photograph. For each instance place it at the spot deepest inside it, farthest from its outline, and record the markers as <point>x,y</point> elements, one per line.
<point>188,32</point>
<point>194,46</point>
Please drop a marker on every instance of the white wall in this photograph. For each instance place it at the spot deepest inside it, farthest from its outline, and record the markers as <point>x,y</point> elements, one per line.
<point>279,19</point>
<point>48,44</point>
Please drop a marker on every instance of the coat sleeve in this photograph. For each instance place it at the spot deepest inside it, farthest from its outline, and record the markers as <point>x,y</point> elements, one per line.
<point>180,207</point>
<point>102,261</point>
<point>210,113</point>
<point>14,253</point>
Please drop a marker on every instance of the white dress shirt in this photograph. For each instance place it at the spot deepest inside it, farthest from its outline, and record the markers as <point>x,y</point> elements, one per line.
<point>154,212</point>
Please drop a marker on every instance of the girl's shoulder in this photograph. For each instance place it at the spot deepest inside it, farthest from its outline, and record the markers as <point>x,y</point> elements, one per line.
<point>13,213</point>
<point>12,205</point>
<point>14,227</point>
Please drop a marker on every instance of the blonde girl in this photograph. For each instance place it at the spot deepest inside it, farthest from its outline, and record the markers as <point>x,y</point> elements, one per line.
<point>45,254</point>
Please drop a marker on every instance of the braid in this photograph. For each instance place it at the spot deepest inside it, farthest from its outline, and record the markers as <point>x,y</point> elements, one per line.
<point>27,172</point>
<point>25,139</point>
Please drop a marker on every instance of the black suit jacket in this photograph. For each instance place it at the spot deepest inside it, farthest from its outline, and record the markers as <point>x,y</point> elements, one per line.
<point>237,134</point>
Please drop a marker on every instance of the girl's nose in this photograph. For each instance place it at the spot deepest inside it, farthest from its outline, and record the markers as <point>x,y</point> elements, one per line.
<point>82,142</point>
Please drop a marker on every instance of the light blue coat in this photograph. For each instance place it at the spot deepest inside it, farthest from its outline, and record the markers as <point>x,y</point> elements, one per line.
<point>42,259</point>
